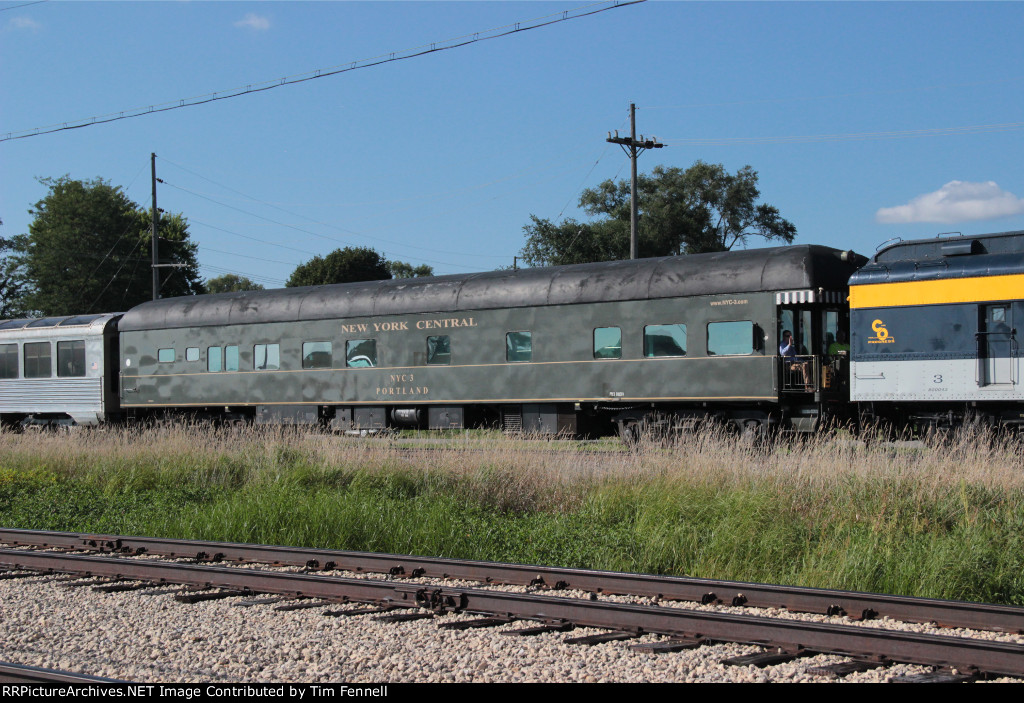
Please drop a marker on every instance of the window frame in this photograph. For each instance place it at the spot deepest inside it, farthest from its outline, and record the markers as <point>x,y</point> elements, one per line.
<point>430,358</point>
<point>686,341</point>
<point>351,345</point>
<point>231,354</point>
<point>36,360</point>
<point>317,348</point>
<point>509,349</point>
<point>210,357</point>
<point>5,365</point>
<point>596,349</point>
<point>79,355</point>
<point>267,347</point>
<point>750,337</point>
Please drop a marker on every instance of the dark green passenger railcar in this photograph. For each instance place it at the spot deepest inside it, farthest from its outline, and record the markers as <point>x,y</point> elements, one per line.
<point>562,349</point>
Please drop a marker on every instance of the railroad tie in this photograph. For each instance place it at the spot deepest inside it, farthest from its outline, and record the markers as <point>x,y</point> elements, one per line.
<point>845,668</point>
<point>676,644</point>
<point>473,624</point>
<point>601,638</point>
<point>303,605</point>
<point>763,659</point>
<point>200,596</point>
<point>539,630</point>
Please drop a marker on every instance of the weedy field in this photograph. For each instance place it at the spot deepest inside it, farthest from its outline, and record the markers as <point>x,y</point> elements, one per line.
<point>945,521</point>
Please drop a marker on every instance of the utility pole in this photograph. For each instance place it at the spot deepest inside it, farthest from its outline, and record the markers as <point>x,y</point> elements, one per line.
<point>153,228</point>
<point>633,149</point>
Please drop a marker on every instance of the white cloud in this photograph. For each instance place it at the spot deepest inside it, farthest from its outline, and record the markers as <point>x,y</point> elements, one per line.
<point>24,23</point>
<point>957,201</point>
<point>257,23</point>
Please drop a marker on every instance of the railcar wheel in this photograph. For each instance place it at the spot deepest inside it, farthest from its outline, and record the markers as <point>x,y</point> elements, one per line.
<point>629,433</point>
<point>751,432</point>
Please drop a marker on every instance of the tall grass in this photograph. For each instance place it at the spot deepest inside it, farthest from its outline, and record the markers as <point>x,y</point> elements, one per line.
<point>947,521</point>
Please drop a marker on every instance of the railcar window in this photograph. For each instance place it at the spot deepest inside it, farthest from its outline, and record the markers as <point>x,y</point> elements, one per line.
<point>165,356</point>
<point>8,360</point>
<point>607,343</point>
<point>71,358</point>
<point>830,318</point>
<point>37,360</point>
<point>79,320</point>
<point>316,355</point>
<point>439,350</point>
<point>361,353</point>
<point>665,340</point>
<point>266,357</point>
<point>45,322</point>
<point>730,338</point>
<point>191,353</point>
<point>519,346</point>
<point>214,359</point>
<point>231,358</point>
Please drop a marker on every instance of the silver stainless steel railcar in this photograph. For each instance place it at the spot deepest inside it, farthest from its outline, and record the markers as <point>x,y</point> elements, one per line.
<point>59,369</point>
<point>936,331</point>
<point>561,349</point>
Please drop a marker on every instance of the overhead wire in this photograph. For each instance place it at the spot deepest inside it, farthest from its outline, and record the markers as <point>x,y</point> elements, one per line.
<point>24,4</point>
<point>258,278</point>
<point>294,227</point>
<point>415,52</point>
<point>856,136</point>
<point>834,96</point>
<point>402,245</point>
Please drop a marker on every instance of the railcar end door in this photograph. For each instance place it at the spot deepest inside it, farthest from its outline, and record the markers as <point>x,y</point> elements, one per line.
<point>997,346</point>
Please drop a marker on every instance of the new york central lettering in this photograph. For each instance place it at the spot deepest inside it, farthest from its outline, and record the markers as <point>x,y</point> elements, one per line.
<point>446,323</point>
<point>403,325</point>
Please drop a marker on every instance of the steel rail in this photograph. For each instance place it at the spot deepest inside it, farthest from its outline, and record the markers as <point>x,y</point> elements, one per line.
<point>24,674</point>
<point>968,655</point>
<point>982,616</point>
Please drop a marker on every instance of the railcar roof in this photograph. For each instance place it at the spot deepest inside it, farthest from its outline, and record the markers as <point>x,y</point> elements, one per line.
<point>946,246</point>
<point>745,271</point>
<point>997,254</point>
<point>62,322</point>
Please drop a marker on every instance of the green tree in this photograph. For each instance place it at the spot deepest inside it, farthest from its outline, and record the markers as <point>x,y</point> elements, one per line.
<point>87,250</point>
<point>341,266</point>
<point>11,283</point>
<point>231,283</point>
<point>400,269</point>
<point>699,209</point>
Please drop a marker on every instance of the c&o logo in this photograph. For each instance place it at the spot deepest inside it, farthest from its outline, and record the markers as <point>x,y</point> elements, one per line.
<point>881,334</point>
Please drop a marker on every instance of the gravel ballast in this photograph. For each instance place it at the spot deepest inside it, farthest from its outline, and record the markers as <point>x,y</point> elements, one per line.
<point>150,638</point>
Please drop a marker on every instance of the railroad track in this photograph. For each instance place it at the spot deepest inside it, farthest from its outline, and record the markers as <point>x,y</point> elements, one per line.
<point>24,674</point>
<point>404,595</point>
<point>857,605</point>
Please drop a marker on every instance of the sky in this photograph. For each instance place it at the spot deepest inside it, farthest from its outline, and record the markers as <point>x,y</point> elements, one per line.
<point>865,121</point>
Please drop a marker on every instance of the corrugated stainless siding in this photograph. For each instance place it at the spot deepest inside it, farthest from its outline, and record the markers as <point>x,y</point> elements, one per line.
<point>52,395</point>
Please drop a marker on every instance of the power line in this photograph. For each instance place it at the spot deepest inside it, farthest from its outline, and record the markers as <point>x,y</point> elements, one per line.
<point>255,277</point>
<point>434,47</point>
<point>381,240</point>
<point>24,4</point>
<point>856,136</point>
<point>414,200</point>
<point>299,229</point>
<point>203,247</point>
<point>255,239</point>
<point>835,96</point>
